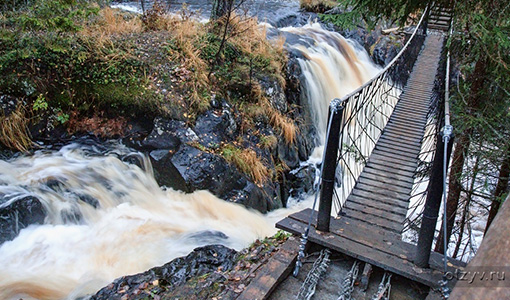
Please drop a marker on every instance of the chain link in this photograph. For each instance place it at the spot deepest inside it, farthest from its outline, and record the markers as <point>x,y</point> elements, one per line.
<point>318,269</point>
<point>383,292</point>
<point>348,283</point>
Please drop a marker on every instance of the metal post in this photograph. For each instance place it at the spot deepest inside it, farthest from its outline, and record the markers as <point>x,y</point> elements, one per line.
<point>432,204</point>
<point>336,109</point>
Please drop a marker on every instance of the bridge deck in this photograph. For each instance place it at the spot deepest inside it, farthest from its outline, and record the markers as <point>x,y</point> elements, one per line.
<point>369,227</point>
<point>381,194</point>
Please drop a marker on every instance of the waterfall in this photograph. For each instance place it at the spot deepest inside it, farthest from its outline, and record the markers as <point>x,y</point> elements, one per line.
<point>332,67</point>
<point>136,225</point>
<point>107,218</point>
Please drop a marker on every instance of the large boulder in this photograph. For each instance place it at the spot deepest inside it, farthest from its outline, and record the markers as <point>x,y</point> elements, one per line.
<point>16,214</point>
<point>202,170</point>
<point>201,262</point>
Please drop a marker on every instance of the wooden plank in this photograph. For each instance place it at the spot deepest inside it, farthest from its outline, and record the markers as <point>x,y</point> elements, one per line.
<point>391,170</point>
<point>373,236</point>
<point>380,193</point>
<point>375,220</point>
<point>403,130</point>
<point>411,110</point>
<point>391,144</point>
<point>378,197</point>
<point>411,127</point>
<point>273,272</point>
<point>417,103</point>
<point>416,148</point>
<point>410,115</point>
<point>403,138</point>
<point>384,185</point>
<point>407,122</point>
<point>365,209</point>
<point>387,160</point>
<point>389,262</point>
<point>393,139</point>
<point>380,164</point>
<point>377,204</point>
<point>388,179</point>
<point>395,153</point>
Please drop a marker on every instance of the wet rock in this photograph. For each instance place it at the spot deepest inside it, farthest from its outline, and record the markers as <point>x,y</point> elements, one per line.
<point>301,181</point>
<point>202,261</point>
<point>215,126</point>
<point>168,134</point>
<point>288,154</point>
<point>295,20</point>
<point>202,170</point>
<point>16,214</point>
<point>274,92</point>
<point>165,172</point>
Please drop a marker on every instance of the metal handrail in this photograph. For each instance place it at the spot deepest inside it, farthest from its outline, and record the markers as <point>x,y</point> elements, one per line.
<point>447,135</point>
<point>366,129</point>
<point>388,66</point>
<point>330,154</point>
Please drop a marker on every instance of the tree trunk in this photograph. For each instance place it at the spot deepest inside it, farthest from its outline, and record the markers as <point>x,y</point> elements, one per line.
<point>465,211</point>
<point>501,187</point>
<point>459,155</point>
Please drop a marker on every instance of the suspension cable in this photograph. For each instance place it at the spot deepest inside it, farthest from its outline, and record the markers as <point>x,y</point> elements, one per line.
<point>447,133</point>
<point>304,236</point>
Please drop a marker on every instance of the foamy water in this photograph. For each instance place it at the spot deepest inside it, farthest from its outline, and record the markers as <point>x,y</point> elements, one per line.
<point>136,226</point>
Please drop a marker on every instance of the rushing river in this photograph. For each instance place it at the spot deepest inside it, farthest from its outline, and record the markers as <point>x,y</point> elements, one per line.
<point>107,217</point>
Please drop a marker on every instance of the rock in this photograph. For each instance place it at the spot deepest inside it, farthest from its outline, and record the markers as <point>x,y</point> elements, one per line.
<point>274,92</point>
<point>384,50</point>
<point>165,172</point>
<point>169,277</point>
<point>295,20</point>
<point>216,126</point>
<point>18,214</point>
<point>288,154</point>
<point>206,171</point>
<point>8,104</point>
<point>168,134</point>
<point>301,181</point>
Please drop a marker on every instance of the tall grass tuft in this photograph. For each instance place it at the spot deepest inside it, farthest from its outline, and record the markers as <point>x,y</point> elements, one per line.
<point>14,132</point>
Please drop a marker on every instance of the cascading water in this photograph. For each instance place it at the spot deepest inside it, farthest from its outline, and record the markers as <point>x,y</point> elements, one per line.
<point>107,218</point>
<point>332,66</point>
<point>135,226</point>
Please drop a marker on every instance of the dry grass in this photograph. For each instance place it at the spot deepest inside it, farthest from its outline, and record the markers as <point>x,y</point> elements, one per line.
<point>318,6</point>
<point>187,35</point>
<point>251,38</point>
<point>248,162</point>
<point>285,125</point>
<point>109,23</point>
<point>14,132</point>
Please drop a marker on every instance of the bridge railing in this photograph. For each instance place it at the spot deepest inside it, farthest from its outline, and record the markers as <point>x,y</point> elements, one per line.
<point>356,122</point>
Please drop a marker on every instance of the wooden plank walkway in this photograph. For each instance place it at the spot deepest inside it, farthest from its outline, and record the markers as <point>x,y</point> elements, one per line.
<point>381,194</point>
<point>370,224</point>
<point>371,244</point>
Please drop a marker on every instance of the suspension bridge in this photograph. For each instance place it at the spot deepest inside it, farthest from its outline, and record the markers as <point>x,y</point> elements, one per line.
<point>385,141</point>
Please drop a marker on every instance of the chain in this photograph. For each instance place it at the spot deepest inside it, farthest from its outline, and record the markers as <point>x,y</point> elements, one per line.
<point>312,278</point>
<point>348,283</point>
<point>383,292</point>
